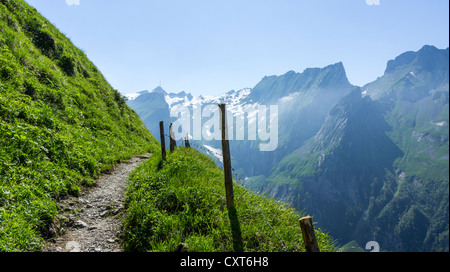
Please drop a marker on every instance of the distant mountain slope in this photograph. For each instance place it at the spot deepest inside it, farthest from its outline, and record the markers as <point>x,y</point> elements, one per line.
<point>272,88</point>
<point>412,75</point>
<point>416,105</point>
<point>312,93</point>
<point>61,124</point>
<point>378,169</point>
<point>304,100</point>
<point>156,105</point>
<point>151,108</point>
<point>331,176</point>
<point>415,97</point>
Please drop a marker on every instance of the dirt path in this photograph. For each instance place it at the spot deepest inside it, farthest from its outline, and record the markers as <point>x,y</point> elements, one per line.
<point>94,218</point>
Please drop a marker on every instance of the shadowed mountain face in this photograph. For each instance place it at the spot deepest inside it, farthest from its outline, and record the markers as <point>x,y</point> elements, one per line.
<point>370,163</point>
<point>332,174</point>
<point>378,169</point>
<point>152,108</point>
<point>304,100</point>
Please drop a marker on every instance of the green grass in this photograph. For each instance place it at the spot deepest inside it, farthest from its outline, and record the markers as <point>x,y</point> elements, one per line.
<point>61,125</point>
<point>182,200</point>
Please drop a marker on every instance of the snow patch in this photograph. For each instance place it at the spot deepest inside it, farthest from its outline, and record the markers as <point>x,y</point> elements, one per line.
<point>216,152</point>
<point>131,96</point>
<point>441,124</point>
<point>170,101</point>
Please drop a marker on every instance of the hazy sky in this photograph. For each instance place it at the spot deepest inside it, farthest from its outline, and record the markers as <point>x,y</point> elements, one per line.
<point>210,47</point>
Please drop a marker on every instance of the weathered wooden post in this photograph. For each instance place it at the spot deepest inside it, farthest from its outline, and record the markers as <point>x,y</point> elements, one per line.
<point>226,158</point>
<point>232,213</point>
<point>163,142</point>
<point>186,141</point>
<point>309,237</point>
<point>173,144</point>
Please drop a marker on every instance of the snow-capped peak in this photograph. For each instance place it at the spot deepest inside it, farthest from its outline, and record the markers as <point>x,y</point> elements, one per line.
<point>133,96</point>
<point>231,98</point>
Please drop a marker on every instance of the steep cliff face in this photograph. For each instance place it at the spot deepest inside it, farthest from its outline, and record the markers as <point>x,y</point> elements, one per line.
<point>416,105</point>
<point>304,101</point>
<point>378,169</point>
<point>333,172</point>
<point>414,95</point>
<point>272,88</point>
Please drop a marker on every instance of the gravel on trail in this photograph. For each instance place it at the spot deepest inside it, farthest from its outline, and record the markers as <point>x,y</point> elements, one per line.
<point>93,220</point>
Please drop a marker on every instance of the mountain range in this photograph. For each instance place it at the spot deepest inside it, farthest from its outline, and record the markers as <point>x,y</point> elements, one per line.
<point>370,163</point>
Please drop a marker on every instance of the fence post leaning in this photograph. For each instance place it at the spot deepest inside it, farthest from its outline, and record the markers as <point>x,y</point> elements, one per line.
<point>173,144</point>
<point>163,142</point>
<point>232,213</point>
<point>309,236</point>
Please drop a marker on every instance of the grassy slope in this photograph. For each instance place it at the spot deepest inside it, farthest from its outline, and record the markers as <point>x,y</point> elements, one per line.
<point>182,200</point>
<point>61,124</point>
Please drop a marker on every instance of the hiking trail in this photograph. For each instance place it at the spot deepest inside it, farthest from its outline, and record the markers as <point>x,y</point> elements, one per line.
<point>95,216</point>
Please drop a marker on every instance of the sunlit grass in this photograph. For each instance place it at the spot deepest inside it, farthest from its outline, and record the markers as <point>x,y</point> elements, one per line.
<point>182,200</point>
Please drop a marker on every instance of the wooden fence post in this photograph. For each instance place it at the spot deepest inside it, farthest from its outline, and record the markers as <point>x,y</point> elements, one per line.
<point>309,237</point>
<point>173,144</point>
<point>226,158</point>
<point>232,213</point>
<point>186,141</point>
<point>163,142</point>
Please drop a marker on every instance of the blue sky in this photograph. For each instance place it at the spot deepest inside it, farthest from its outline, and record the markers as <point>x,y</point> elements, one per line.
<point>210,47</point>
